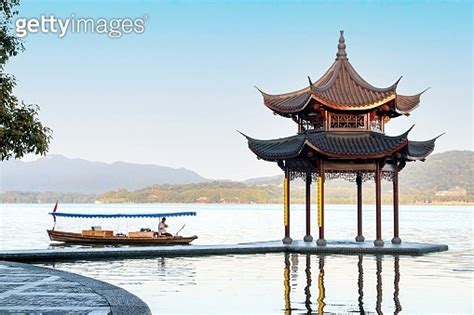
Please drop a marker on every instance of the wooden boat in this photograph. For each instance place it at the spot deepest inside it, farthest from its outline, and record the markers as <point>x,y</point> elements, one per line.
<point>110,239</point>
<point>107,237</point>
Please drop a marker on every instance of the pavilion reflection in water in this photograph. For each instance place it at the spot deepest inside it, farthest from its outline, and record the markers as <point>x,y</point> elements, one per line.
<point>316,301</point>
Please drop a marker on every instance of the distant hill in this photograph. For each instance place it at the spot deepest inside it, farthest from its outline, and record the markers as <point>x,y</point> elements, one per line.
<point>444,178</point>
<point>57,173</point>
<point>441,171</point>
<point>268,180</point>
<point>212,192</point>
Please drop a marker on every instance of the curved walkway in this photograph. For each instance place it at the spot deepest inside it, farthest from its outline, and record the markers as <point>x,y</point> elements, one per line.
<point>30,289</point>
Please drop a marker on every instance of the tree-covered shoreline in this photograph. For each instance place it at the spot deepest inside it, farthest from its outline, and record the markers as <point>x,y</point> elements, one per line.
<point>445,178</point>
<point>230,193</point>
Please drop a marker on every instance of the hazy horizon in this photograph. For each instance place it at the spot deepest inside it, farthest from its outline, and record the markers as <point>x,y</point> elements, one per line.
<point>175,95</point>
<point>278,172</point>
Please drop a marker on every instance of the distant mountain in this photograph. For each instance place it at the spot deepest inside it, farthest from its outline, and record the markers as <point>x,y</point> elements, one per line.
<point>57,173</point>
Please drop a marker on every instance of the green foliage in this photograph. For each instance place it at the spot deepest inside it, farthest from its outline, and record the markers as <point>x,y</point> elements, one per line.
<point>21,131</point>
<point>10,45</point>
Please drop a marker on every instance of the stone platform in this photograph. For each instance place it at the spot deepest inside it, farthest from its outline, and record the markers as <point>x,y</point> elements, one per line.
<point>332,247</point>
<point>27,289</point>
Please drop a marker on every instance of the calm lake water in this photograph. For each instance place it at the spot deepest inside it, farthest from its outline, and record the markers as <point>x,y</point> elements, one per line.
<point>275,283</point>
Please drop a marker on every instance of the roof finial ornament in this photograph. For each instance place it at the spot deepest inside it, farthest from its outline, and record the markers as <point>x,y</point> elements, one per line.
<point>341,47</point>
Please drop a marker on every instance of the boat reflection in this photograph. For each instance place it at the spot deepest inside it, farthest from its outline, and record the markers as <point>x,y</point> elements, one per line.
<point>322,302</point>
<point>145,274</point>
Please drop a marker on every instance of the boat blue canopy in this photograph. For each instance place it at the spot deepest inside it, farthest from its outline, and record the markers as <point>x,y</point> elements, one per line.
<point>123,215</point>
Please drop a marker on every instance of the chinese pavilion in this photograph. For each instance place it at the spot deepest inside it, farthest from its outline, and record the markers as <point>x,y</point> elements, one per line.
<point>341,121</point>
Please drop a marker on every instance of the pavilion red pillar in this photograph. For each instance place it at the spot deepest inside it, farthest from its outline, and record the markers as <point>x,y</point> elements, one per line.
<point>286,216</point>
<point>308,237</point>
<point>359,237</point>
<point>321,241</point>
<point>378,205</point>
<point>396,238</point>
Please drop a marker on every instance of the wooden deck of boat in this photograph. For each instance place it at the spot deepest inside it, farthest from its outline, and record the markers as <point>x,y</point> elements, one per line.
<point>332,247</point>
<point>113,240</point>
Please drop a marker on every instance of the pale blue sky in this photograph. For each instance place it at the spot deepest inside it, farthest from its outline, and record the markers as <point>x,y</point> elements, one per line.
<point>176,94</point>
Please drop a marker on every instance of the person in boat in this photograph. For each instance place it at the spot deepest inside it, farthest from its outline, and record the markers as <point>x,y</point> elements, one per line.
<point>162,228</point>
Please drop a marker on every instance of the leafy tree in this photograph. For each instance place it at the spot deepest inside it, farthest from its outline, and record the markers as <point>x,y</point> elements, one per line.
<point>21,131</point>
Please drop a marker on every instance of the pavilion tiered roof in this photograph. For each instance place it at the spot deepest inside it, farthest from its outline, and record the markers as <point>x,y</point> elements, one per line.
<point>342,145</point>
<point>342,88</point>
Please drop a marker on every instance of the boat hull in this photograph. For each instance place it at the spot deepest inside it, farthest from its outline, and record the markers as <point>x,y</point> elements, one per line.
<point>78,238</point>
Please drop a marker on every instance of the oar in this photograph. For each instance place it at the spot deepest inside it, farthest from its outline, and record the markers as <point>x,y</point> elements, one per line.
<point>176,233</point>
<point>180,230</point>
